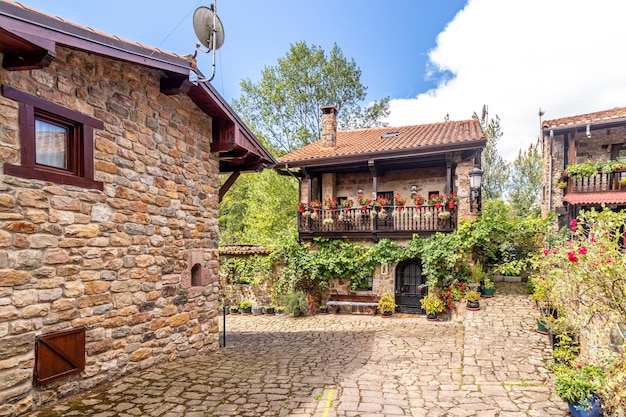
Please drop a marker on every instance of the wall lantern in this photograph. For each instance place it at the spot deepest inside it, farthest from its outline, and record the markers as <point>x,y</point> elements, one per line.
<point>413,191</point>
<point>476,178</point>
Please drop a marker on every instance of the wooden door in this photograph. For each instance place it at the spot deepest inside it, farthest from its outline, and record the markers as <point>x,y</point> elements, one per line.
<point>410,286</point>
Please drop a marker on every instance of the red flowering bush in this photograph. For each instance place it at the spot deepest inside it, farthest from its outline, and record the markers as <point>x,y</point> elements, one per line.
<point>584,279</point>
<point>453,292</point>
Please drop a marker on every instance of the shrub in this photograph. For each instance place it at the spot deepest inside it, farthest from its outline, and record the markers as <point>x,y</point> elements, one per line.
<point>295,303</point>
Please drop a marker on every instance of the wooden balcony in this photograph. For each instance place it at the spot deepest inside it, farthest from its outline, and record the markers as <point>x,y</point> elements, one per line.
<point>603,182</point>
<point>355,223</point>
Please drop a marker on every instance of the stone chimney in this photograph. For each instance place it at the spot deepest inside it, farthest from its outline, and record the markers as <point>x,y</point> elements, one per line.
<point>329,126</point>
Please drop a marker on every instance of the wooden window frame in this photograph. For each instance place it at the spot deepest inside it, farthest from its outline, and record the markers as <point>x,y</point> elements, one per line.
<point>80,153</point>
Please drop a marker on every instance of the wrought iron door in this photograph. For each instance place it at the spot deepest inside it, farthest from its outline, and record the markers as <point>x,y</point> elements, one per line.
<point>410,286</point>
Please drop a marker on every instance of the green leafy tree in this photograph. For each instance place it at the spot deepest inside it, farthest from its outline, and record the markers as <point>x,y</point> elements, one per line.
<point>525,181</point>
<point>284,106</point>
<point>259,208</point>
<point>495,168</point>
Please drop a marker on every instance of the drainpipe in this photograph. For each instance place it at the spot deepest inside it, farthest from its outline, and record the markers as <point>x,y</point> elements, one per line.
<point>550,171</point>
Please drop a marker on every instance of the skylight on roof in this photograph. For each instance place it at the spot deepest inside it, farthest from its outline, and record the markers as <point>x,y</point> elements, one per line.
<point>390,135</point>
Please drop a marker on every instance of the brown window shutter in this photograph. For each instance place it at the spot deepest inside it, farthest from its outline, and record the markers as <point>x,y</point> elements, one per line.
<point>59,354</point>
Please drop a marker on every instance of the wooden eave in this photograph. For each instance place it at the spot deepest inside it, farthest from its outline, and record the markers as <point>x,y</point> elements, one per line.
<point>424,156</point>
<point>28,40</point>
<point>582,127</point>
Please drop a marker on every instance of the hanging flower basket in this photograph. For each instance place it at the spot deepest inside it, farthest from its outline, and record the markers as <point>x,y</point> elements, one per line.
<point>347,204</point>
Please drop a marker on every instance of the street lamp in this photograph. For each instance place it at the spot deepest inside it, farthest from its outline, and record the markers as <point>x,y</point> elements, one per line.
<point>476,177</point>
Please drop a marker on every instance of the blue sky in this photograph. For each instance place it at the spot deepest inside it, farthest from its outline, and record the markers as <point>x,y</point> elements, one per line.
<point>432,57</point>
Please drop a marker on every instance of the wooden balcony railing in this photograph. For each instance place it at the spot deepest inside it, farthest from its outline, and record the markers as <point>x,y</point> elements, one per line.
<point>603,182</point>
<point>395,222</point>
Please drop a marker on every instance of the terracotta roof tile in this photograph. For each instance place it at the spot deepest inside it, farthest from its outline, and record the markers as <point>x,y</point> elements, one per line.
<point>365,141</point>
<point>582,119</point>
<point>596,198</point>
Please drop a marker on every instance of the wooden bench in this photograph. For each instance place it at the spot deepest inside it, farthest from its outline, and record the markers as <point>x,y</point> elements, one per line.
<point>369,302</point>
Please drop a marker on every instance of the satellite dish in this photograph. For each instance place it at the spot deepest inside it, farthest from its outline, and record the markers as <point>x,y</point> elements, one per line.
<point>208,28</point>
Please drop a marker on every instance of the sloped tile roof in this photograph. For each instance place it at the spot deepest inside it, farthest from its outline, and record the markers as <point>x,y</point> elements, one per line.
<point>371,141</point>
<point>596,198</point>
<point>583,119</point>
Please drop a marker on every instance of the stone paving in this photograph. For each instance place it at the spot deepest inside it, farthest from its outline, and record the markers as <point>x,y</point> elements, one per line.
<point>490,365</point>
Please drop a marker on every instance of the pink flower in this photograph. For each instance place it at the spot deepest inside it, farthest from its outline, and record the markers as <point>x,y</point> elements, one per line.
<point>572,225</point>
<point>593,239</point>
<point>546,251</point>
<point>608,261</point>
<point>572,256</point>
<point>582,250</point>
<point>554,251</point>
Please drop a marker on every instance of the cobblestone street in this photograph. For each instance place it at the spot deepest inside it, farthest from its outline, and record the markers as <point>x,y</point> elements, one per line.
<point>493,364</point>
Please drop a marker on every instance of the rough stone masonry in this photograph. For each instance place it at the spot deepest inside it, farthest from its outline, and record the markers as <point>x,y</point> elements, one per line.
<point>117,261</point>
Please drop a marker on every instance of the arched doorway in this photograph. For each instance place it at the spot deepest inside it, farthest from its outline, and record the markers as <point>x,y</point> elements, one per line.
<point>410,286</point>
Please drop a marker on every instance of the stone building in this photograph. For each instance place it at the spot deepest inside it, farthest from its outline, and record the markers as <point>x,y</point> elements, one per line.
<point>394,163</point>
<point>570,146</point>
<point>109,193</point>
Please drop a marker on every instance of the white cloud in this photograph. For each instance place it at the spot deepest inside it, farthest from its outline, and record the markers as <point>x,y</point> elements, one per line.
<point>565,56</point>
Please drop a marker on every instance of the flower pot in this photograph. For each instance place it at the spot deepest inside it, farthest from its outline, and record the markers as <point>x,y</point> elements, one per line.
<point>472,305</point>
<point>257,311</point>
<point>418,206</point>
<point>487,292</point>
<point>541,327</point>
<point>438,205</point>
<point>269,311</point>
<point>451,204</point>
<point>323,310</point>
<point>431,317</point>
<point>246,310</point>
<point>386,314</point>
<point>592,409</point>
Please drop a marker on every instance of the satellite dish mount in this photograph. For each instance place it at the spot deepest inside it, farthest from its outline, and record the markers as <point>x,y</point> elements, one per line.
<point>210,34</point>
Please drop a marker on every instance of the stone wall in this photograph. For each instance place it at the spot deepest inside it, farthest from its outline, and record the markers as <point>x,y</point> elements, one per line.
<point>119,261</point>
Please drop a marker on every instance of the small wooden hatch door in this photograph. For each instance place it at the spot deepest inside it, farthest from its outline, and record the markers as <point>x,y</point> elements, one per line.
<point>59,354</point>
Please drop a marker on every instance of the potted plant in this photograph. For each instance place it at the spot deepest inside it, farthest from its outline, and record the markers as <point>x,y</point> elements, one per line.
<point>562,185</point>
<point>419,201</point>
<point>347,204</point>
<point>436,200</point>
<point>246,307</point>
<point>472,297</point>
<point>316,205</point>
<point>487,288</point>
<point>444,215</point>
<point>269,310</point>
<point>257,310</point>
<point>579,386</point>
<point>302,206</point>
<point>323,309</point>
<point>433,305</point>
<point>399,201</point>
<point>381,202</point>
<point>387,305</point>
<point>223,309</point>
<point>234,309</point>
<point>477,275</point>
<point>364,202</point>
<point>331,203</point>
<point>451,199</point>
